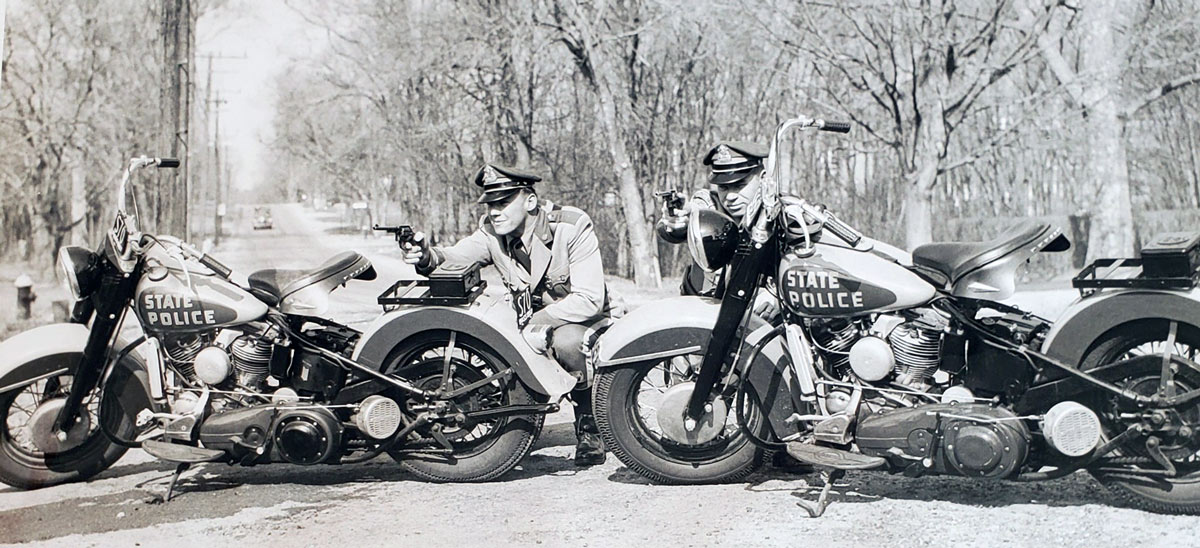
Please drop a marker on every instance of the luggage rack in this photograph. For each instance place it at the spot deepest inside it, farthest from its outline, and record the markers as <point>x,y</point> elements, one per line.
<point>1125,273</point>
<point>443,288</point>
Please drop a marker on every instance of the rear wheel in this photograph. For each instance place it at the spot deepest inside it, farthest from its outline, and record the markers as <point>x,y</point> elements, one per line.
<point>30,457</point>
<point>482,449</point>
<point>627,402</point>
<point>1134,474</point>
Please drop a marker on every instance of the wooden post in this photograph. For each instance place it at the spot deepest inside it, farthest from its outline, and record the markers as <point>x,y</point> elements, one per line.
<point>175,102</point>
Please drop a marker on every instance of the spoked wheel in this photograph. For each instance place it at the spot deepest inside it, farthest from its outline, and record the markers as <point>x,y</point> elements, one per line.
<point>1137,472</point>
<point>31,457</point>
<point>482,449</point>
<point>639,412</point>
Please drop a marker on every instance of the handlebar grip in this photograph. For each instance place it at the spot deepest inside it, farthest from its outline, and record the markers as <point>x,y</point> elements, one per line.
<point>168,162</point>
<point>215,266</point>
<point>842,230</point>
<point>836,127</point>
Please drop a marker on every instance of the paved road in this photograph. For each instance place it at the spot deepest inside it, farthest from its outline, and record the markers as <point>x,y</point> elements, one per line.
<point>547,501</point>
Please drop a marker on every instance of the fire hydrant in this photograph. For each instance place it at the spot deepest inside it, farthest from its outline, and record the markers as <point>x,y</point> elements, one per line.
<point>25,296</point>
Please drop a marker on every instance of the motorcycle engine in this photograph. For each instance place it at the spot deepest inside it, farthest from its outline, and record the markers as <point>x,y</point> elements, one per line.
<point>909,348</point>
<point>969,439</point>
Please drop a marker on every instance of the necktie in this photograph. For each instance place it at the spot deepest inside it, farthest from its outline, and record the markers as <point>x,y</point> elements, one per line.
<point>519,253</point>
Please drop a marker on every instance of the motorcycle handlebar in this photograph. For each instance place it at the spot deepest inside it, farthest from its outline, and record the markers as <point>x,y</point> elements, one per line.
<point>842,230</point>
<point>836,127</point>
<point>834,224</point>
<point>207,260</point>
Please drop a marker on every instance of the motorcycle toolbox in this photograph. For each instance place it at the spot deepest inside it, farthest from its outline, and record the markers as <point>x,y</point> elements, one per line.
<point>1171,255</point>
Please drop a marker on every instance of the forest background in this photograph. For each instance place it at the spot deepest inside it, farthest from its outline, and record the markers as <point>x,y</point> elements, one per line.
<point>968,116</point>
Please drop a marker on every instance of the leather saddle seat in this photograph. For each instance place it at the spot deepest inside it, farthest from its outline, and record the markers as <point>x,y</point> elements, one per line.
<point>953,260</point>
<point>272,285</point>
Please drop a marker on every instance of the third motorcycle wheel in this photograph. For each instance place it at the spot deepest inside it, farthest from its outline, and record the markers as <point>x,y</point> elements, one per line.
<point>1132,481</point>
<point>625,404</point>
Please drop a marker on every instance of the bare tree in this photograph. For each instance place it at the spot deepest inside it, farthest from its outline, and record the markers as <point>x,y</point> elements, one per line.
<point>926,70</point>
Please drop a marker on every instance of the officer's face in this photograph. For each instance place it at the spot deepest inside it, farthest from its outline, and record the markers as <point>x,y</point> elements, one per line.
<point>509,215</point>
<point>736,196</point>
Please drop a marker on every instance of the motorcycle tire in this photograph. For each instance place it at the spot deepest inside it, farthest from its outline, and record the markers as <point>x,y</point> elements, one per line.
<point>24,466</point>
<point>629,436</point>
<point>1178,495</point>
<point>483,459</point>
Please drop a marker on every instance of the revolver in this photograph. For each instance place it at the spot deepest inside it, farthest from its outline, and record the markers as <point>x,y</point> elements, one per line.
<point>403,233</point>
<point>673,199</point>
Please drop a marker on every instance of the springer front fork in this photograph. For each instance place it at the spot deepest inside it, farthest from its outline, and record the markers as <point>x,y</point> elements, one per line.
<point>110,300</point>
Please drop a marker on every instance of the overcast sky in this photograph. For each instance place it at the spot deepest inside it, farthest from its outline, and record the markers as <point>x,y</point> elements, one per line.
<point>269,34</point>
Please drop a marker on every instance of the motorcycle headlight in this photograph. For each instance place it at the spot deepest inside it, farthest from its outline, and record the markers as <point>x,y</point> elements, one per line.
<point>712,238</point>
<point>77,266</point>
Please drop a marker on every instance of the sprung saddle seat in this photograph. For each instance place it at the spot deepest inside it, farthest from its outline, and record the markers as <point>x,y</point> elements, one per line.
<point>273,285</point>
<point>948,262</point>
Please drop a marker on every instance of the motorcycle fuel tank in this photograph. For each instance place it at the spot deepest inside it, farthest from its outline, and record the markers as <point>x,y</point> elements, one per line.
<point>839,281</point>
<point>194,301</point>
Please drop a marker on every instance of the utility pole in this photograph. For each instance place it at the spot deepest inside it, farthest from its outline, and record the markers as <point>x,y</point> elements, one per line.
<point>175,105</point>
<point>3,11</point>
<point>218,209</point>
<point>212,111</point>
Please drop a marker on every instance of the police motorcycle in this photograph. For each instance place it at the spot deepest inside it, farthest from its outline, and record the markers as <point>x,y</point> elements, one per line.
<point>253,375</point>
<point>907,362</point>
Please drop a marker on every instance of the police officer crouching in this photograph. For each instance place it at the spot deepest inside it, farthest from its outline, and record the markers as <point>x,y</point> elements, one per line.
<point>733,183</point>
<point>549,260</point>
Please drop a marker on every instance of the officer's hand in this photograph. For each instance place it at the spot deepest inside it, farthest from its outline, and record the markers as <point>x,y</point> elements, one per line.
<point>417,249</point>
<point>674,218</point>
<point>538,337</point>
<point>766,306</point>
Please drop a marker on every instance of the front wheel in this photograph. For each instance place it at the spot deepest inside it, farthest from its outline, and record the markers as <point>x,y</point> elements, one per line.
<point>482,449</point>
<point>1134,475</point>
<point>31,458</point>
<point>627,401</point>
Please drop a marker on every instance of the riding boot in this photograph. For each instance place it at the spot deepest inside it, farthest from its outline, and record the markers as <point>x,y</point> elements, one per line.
<point>589,448</point>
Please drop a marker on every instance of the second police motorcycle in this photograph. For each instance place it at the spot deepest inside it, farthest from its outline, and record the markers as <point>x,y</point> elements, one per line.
<point>907,362</point>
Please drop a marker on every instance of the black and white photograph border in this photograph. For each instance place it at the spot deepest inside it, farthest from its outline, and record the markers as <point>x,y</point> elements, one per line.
<point>599,273</point>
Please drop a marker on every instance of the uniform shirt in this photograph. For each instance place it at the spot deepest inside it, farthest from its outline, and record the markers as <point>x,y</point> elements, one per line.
<point>565,266</point>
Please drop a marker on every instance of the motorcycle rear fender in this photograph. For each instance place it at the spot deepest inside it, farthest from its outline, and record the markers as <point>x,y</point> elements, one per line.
<point>54,349</point>
<point>1088,318</point>
<point>683,325</point>
<point>490,320</point>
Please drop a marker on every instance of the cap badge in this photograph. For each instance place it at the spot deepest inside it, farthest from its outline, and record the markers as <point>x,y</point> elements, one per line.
<point>489,175</point>
<point>723,155</point>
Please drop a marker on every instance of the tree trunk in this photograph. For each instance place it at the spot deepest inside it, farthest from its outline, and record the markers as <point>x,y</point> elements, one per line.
<point>1111,232</point>
<point>918,218</point>
<point>643,254</point>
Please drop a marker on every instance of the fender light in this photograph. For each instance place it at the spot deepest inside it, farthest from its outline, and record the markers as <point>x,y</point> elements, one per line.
<point>78,268</point>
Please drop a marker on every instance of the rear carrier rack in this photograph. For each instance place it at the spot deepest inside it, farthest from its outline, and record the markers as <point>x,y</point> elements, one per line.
<point>445,287</point>
<point>1169,261</point>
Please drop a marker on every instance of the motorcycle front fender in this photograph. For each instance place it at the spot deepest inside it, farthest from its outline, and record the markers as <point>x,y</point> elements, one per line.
<point>489,320</point>
<point>683,325</point>
<point>1089,318</point>
<point>55,349</point>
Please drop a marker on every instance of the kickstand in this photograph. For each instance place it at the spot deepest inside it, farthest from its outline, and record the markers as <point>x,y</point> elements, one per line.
<point>828,475</point>
<point>175,478</point>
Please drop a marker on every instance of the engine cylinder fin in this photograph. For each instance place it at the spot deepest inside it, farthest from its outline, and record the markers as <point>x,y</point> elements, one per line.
<point>918,351</point>
<point>251,360</point>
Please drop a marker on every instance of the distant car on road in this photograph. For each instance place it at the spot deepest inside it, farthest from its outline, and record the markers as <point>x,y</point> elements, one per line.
<point>262,219</point>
